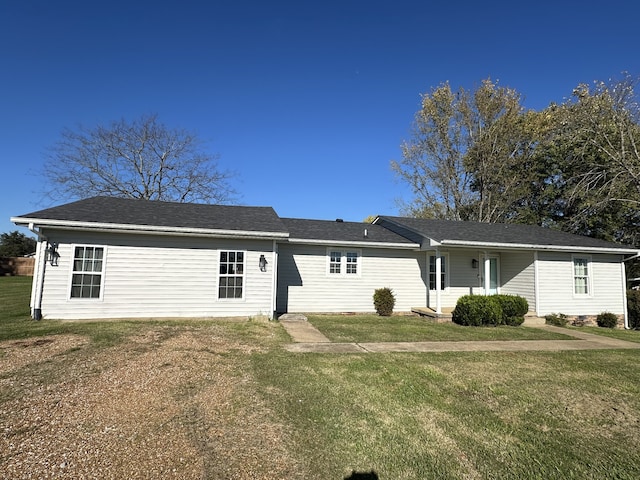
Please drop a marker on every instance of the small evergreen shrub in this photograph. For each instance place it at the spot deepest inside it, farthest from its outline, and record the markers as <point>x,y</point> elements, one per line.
<point>633,308</point>
<point>557,319</point>
<point>477,310</point>
<point>607,320</point>
<point>514,308</point>
<point>384,300</point>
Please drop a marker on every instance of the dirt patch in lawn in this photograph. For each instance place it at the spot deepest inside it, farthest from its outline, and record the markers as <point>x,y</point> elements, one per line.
<point>167,403</point>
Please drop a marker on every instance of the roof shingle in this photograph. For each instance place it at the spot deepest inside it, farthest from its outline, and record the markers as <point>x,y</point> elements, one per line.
<point>339,231</point>
<point>126,211</point>
<point>499,233</point>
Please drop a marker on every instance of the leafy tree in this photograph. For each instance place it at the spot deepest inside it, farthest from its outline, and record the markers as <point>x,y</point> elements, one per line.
<point>432,160</point>
<point>574,166</point>
<point>16,244</point>
<point>466,155</point>
<point>596,150</point>
<point>140,159</point>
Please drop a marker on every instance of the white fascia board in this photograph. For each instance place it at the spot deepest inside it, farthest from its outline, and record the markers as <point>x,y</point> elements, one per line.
<point>525,246</point>
<point>144,229</point>
<point>408,246</point>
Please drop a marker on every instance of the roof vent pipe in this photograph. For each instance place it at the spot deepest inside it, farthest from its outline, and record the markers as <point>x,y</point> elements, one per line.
<point>366,233</point>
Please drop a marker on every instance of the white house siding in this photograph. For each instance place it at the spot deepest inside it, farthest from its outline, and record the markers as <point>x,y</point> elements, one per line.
<point>153,276</point>
<point>517,275</point>
<point>555,271</point>
<point>462,277</point>
<point>305,286</point>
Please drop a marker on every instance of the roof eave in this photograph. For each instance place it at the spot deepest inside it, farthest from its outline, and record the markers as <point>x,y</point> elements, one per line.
<point>312,241</point>
<point>144,229</point>
<point>526,246</point>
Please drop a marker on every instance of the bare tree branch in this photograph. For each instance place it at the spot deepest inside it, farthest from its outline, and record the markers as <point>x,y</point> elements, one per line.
<point>140,159</point>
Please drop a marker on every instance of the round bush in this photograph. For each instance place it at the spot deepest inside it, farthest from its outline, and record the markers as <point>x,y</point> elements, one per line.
<point>477,310</point>
<point>384,301</point>
<point>514,321</point>
<point>557,319</point>
<point>514,308</point>
<point>607,320</point>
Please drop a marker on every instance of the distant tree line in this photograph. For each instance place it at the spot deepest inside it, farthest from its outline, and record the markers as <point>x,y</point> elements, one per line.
<point>16,244</point>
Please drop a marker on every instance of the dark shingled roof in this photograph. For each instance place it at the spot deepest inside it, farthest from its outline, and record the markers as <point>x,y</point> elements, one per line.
<point>111,210</point>
<point>338,231</point>
<point>443,230</point>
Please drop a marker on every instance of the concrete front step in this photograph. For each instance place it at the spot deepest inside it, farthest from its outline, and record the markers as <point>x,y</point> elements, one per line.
<point>532,320</point>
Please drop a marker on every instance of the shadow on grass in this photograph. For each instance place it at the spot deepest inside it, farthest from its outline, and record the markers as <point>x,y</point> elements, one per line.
<point>372,475</point>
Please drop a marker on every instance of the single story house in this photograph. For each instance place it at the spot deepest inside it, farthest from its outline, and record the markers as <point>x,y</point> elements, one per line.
<point>106,257</point>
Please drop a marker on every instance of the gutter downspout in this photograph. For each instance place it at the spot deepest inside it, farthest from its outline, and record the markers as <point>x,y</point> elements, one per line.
<point>623,272</point>
<point>438,282</point>
<point>41,265</point>
<point>274,282</point>
<point>624,289</point>
<point>536,283</point>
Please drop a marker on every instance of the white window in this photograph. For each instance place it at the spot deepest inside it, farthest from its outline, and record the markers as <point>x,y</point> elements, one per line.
<point>352,263</point>
<point>335,261</point>
<point>88,272</point>
<point>443,272</point>
<point>344,262</point>
<point>231,274</point>
<point>581,275</point>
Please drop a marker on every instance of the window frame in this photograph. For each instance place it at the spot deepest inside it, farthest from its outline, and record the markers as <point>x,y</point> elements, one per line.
<point>445,263</point>
<point>73,272</point>
<point>587,276</point>
<point>227,275</point>
<point>345,264</point>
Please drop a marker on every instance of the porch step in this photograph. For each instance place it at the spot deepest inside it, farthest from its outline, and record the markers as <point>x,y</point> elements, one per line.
<point>445,316</point>
<point>533,320</point>
<point>530,319</point>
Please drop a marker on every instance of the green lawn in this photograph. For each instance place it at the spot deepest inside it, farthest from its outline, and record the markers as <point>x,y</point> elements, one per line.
<point>628,335</point>
<point>373,328</point>
<point>489,415</point>
<point>460,415</point>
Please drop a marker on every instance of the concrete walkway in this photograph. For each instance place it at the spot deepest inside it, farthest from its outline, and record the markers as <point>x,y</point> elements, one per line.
<point>308,339</point>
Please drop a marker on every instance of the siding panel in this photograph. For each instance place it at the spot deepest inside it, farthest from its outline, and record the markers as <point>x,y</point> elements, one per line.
<point>556,285</point>
<point>518,276</point>
<point>151,276</point>
<point>305,286</point>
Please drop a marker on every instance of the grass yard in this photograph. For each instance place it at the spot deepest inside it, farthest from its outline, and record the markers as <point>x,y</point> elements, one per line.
<point>195,399</point>
<point>373,328</point>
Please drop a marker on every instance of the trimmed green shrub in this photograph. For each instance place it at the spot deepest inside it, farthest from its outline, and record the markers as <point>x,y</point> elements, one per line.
<point>514,308</point>
<point>557,319</point>
<point>633,308</point>
<point>607,320</point>
<point>384,300</point>
<point>477,310</point>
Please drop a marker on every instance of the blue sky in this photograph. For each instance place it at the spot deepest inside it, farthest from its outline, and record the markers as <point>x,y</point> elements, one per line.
<point>308,102</point>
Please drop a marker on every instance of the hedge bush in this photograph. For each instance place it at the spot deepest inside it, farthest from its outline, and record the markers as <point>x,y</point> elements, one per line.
<point>514,308</point>
<point>477,310</point>
<point>633,308</point>
<point>607,320</point>
<point>384,300</point>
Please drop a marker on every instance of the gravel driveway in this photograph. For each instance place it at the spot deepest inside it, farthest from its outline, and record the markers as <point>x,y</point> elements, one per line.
<point>173,402</point>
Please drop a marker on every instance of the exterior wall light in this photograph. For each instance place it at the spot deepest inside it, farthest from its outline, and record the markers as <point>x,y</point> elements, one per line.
<point>52,254</point>
<point>474,263</point>
<point>262,263</point>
